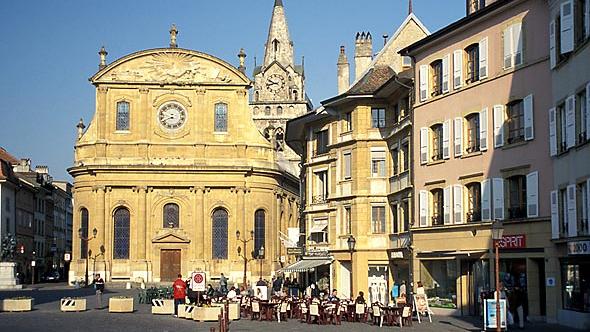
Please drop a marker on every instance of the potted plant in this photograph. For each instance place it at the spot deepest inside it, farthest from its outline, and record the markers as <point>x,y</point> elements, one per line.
<point>121,304</point>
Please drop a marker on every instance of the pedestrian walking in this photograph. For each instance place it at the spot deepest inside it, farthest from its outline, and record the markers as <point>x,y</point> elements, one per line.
<point>223,284</point>
<point>179,289</point>
<point>99,287</point>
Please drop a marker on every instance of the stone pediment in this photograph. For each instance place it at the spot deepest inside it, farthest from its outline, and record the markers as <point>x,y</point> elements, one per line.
<point>170,66</point>
<point>170,237</point>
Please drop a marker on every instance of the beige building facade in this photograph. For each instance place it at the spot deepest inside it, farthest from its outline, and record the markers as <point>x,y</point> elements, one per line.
<point>170,167</point>
<point>481,154</point>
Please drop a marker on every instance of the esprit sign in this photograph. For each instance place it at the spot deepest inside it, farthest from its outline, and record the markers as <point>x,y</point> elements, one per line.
<point>517,241</point>
<point>578,248</point>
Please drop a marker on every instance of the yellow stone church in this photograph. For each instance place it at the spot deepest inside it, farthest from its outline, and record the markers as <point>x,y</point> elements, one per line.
<point>170,167</point>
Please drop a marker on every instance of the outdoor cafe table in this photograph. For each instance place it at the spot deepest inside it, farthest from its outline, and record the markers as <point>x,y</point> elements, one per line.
<point>392,315</point>
<point>267,310</point>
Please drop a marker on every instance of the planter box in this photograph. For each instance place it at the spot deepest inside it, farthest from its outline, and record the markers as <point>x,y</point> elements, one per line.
<point>181,310</point>
<point>17,304</point>
<point>72,304</point>
<point>186,311</point>
<point>163,307</point>
<point>233,310</point>
<point>204,314</point>
<point>120,304</point>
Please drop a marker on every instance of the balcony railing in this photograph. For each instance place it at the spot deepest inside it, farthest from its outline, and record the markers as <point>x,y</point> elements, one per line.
<point>517,212</point>
<point>583,227</point>
<point>473,148</point>
<point>437,156</point>
<point>319,199</point>
<point>437,220</point>
<point>474,215</point>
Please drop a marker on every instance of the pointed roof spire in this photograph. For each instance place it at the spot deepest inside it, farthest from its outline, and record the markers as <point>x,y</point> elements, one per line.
<point>279,46</point>
<point>410,7</point>
<point>279,3</point>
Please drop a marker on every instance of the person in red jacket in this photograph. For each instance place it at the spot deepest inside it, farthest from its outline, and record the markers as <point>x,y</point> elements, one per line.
<point>179,288</point>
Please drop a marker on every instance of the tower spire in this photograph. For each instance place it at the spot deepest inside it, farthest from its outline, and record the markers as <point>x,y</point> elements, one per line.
<point>279,3</point>
<point>410,7</point>
<point>279,46</point>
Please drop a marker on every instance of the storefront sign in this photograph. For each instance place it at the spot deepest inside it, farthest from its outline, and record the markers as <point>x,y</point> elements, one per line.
<point>295,251</point>
<point>578,248</point>
<point>489,317</point>
<point>550,282</point>
<point>318,252</point>
<point>517,241</point>
<point>397,254</point>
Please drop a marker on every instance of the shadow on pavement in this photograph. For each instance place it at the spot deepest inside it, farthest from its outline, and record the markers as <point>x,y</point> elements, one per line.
<point>42,296</point>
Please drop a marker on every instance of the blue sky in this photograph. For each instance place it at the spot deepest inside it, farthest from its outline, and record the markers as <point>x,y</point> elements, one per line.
<point>49,50</point>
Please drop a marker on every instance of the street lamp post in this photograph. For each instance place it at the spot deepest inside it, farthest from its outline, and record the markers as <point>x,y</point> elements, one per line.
<point>261,257</point>
<point>102,250</point>
<point>86,239</point>
<point>351,244</point>
<point>246,260</point>
<point>497,231</point>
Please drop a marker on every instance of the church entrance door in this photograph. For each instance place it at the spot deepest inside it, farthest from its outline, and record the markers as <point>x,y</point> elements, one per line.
<point>169,264</point>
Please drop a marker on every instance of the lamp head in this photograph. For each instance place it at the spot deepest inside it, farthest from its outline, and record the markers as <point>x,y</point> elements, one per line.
<point>94,232</point>
<point>238,234</point>
<point>497,230</point>
<point>351,243</point>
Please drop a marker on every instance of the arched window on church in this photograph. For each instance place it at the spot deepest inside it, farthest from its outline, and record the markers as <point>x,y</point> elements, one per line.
<point>121,233</point>
<point>280,139</point>
<point>256,95</point>
<point>275,45</point>
<point>259,230</point>
<point>84,228</point>
<point>220,117</point>
<point>171,216</point>
<point>267,110</point>
<point>122,115</point>
<point>279,110</point>
<point>267,134</point>
<point>219,234</point>
<point>295,95</point>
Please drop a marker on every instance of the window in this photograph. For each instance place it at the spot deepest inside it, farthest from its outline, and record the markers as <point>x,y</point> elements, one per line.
<point>84,227</point>
<point>347,165</point>
<point>405,156</point>
<point>437,142</point>
<point>515,122</point>
<point>576,286</point>
<point>378,117</point>
<point>256,97</point>
<point>319,231</point>
<point>582,207</point>
<point>321,142</point>
<point>562,128</point>
<point>517,197</point>
<point>437,207</point>
<point>219,234</point>
<point>513,46</point>
<point>472,63</point>
<point>473,133</point>
<point>221,117</point>
<point>122,115</point>
<point>582,117</point>
<point>406,61</point>
<point>259,230</point>
<point>473,202</point>
<point>394,218</point>
<point>396,113</point>
<point>279,110</point>
<point>437,77</point>
<point>279,139</point>
<point>395,161</point>
<point>295,95</point>
<point>377,163</point>
<point>171,216</point>
<point>348,121</point>
<point>562,204</point>
<point>475,5</point>
<point>347,220</point>
<point>378,219</point>
<point>581,21</point>
<point>406,215</point>
<point>267,110</point>
<point>321,189</point>
<point>121,234</point>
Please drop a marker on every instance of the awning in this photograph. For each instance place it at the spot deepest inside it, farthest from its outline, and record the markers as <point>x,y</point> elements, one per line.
<point>318,226</point>
<point>305,265</point>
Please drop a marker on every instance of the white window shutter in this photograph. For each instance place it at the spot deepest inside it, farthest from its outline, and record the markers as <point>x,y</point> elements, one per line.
<point>445,72</point>
<point>446,138</point>
<point>423,82</point>
<point>552,54</point>
<point>483,129</point>
<point>552,132</point>
<point>423,208</point>
<point>567,26</point>
<point>588,113</point>
<point>529,128</point>
<point>507,35</point>
<point>570,121</point>
<point>532,194</point>
<point>517,44</point>
<point>457,68</point>
<point>554,215</point>
<point>572,223</point>
<point>458,131</point>
<point>458,203</point>
<point>447,206</point>
<point>587,24</point>
<point>483,58</point>
<point>498,194</point>
<point>423,145</point>
<point>498,126</point>
<point>486,203</point>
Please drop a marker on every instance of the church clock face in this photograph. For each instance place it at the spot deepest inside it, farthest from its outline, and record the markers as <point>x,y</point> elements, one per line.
<point>172,116</point>
<point>275,83</point>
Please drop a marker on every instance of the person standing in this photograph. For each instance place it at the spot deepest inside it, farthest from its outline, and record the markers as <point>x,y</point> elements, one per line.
<point>179,289</point>
<point>99,286</point>
<point>223,284</point>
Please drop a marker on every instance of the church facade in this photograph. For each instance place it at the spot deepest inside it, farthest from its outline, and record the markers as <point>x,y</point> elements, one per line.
<point>171,167</point>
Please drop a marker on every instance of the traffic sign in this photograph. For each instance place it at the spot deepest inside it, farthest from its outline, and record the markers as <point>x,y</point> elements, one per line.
<point>198,281</point>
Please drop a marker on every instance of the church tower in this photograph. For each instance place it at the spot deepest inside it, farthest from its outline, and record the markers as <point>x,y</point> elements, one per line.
<point>279,86</point>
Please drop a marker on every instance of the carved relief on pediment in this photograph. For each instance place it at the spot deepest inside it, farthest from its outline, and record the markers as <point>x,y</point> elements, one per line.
<point>169,68</point>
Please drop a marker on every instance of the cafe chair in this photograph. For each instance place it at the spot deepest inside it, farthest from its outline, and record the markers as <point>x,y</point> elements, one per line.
<point>360,312</point>
<point>282,312</point>
<point>377,315</point>
<point>304,312</point>
<point>406,316</point>
<point>255,312</point>
<point>314,311</point>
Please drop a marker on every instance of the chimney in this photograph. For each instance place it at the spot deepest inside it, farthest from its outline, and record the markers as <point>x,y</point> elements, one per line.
<point>343,71</point>
<point>23,166</point>
<point>42,169</point>
<point>363,53</point>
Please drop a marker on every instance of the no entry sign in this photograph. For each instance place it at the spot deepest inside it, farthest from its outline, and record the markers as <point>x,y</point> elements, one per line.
<point>198,280</point>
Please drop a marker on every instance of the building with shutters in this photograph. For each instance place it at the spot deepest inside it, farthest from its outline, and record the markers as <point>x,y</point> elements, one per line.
<point>481,153</point>
<point>171,167</point>
<point>569,128</point>
<point>355,152</point>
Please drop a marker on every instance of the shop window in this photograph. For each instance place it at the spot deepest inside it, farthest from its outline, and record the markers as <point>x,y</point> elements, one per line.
<point>517,197</point>
<point>576,286</point>
<point>437,207</point>
<point>439,278</point>
<point>378,284</point>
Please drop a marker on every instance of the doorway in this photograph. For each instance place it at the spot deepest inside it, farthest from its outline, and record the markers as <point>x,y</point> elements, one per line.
<point>169,264</point>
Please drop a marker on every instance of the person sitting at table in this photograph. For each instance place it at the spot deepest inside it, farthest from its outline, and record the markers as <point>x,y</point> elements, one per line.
<point>210,291</point>
<point>260,282</point>
<point>232,293</point>
<point>360,299</point>
<point>334,296</point>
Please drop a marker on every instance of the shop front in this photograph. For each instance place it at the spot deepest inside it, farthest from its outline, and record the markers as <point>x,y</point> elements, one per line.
<point>575,284</point>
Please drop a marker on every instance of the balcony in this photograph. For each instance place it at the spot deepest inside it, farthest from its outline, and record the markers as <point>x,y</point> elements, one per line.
<point>437,220</point>
<point>517,212</point>
<point>473,148</point>
<point>401,240</point>
<point>474,215</point>
<point>399,182</point>
<point>438,156</point>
